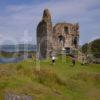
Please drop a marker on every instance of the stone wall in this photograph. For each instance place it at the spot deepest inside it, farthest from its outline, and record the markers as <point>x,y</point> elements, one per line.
<point>51,39</point>
<point>12,96</point>
<point>68,32</point>
<point>44,34</point>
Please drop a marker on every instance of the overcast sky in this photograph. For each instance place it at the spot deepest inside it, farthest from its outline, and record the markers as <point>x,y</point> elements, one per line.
<point>19,18</point>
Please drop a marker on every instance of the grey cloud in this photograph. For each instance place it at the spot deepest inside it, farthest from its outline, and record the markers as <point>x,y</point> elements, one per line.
<point>26,17</point>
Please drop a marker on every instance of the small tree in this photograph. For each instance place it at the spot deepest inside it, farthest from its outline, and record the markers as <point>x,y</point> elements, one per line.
<point>95,48</point>
<point>85,48</point>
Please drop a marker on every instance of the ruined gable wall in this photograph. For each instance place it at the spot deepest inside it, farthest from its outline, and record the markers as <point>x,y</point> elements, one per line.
<point>68,34</point>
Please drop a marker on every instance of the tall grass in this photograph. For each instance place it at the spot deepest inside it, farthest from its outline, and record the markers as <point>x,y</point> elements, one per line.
<point>60,81</point>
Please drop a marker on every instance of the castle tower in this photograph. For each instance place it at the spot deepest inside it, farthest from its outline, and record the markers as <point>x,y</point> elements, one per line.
<point>44,35</point>
<point>52,40</point>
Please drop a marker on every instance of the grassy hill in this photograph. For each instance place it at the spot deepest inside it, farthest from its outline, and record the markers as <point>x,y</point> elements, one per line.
<point>61,81</point>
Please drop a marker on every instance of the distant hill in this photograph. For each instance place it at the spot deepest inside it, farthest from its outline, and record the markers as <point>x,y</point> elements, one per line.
<point>18,48</point>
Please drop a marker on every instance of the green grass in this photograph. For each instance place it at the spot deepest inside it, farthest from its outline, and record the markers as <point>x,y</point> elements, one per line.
<point>60,81</point>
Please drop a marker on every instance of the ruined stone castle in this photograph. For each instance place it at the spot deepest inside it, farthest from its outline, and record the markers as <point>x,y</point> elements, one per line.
<point>53,39</point>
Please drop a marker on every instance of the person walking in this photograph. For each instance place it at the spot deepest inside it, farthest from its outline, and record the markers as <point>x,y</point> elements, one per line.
<point>73,60</point>
<point>83,60</point>
<point>53,59</point>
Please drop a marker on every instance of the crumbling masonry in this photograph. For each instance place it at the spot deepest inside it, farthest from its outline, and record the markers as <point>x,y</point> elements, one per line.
<point>52,40</point>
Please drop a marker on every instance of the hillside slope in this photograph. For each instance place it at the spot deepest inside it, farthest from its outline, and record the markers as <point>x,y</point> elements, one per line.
<point>61,81</point>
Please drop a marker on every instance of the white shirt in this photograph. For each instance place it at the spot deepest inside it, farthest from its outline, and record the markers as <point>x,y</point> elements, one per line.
<point>53,58</point>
